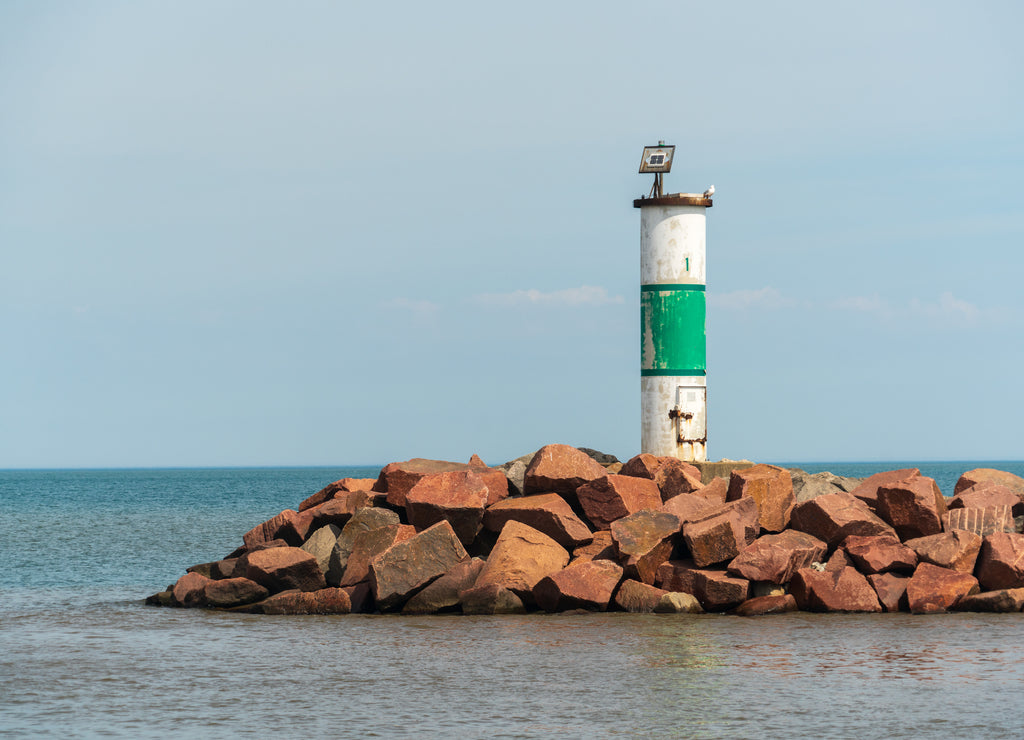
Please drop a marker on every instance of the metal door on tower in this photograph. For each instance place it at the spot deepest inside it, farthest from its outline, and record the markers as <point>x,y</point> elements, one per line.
<point>691,416</point>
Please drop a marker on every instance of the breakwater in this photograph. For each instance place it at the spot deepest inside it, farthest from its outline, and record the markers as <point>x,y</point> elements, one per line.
<point>561,530</point>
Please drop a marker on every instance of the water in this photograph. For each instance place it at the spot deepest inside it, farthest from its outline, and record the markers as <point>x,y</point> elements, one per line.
<point>81,657</point>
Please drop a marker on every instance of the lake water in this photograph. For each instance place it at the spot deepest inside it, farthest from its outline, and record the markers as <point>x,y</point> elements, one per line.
<point>81,657</point>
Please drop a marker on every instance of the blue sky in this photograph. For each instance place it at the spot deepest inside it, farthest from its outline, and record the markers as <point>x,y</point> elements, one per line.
<point>285,234</point>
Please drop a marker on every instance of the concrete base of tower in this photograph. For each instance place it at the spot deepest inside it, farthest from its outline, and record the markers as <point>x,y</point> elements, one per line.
<point>674,416</point>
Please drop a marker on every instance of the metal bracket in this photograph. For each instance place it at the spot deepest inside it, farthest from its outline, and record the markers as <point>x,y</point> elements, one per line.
<point>678,413</point>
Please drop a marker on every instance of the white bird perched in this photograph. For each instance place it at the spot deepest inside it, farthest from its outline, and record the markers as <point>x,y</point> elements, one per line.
<point>709,192</point>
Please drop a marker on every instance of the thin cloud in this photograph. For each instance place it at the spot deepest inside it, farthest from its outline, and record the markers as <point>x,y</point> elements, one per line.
<point>422,312</point>
<point>743,300</point>
<point>948,308</point>
<point>873,305</point>
<point>585,295</point>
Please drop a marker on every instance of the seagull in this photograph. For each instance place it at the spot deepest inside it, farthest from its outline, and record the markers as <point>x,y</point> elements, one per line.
<point>709,192</point>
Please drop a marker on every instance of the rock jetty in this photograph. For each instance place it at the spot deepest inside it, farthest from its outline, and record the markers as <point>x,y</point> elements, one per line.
<point>572,529</point>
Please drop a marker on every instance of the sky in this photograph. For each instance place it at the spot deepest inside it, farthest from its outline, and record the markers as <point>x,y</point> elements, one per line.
<point>319,233</point>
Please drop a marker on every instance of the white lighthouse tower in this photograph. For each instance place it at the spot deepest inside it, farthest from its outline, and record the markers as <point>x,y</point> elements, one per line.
<point>673,343</point>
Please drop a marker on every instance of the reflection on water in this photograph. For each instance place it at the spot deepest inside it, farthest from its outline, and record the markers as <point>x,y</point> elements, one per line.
<point>127,671</point>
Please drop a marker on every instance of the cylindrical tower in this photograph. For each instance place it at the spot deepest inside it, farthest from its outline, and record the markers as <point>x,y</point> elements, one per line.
<point>673,344</point>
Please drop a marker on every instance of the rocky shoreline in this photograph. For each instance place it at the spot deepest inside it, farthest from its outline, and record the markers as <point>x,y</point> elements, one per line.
<point>571,529</point>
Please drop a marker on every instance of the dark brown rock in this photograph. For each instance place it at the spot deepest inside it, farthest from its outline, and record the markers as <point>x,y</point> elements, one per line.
<point>933,589</point>
<point>637,597</point>
<point>677,575</point>
<point>835,516</point>
<point>644,541</point>
<point>560,469</point>
<point>407,566</point>
<point>190,590</point>
<point>600,548</point>
<point>843,590</point>
<point>867,491</point>
<point>223,568</point>
<point>913,506</point>
<point>891,590</point>
<point>284,568</point>
<point>443,594</point>
<point>764,605</point>
<point>360,597</point>
<point>588,584</point>
<point>1001,564</point>
<point>956,550</point>
<point>880,554</point>
<point>1003,601</point>
<point>612,497</point>
<point>776,557</point>
<point>521,557</point>
<point>717,591</point>
<point>981,522</point>
<point>716,539</point>
<point>771,487</point>
<point>323,601</point>
<point>490,599</point>
<point>230,592</point>
<point>457,497</point>
<point>546,512</point>
<point>368,545</point>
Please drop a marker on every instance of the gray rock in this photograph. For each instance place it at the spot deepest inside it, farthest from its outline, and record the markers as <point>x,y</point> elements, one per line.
<point>807,486</point>
<point>320,545</point>
<point>601,457</point>
<point>362,521</point>
<point>515,471</point>
<point>676,602</point>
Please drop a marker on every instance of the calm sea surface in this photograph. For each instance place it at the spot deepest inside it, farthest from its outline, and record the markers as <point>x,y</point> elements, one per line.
<point>81,657</point>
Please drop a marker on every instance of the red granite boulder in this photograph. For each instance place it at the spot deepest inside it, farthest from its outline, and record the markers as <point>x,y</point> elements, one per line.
<point>370,543</point>
<point>716,539</point>
<point>612,497</point>
<point>1002,601</point>
<point>546,512</point>
<point>640,598</point>
<point>371,517</point>
<point>644,541</point>
<point>330,490</point>
<point>490,599</point>
<point>843,590</point>
<point>397,478</point>
<point>560,469</point>
<point>457,497</point>
<point>231,592</point>
<point>771,487</point>
<point>716,490</point>
<point>833,517</point>
<point>328,600</point>
<point>674,477</point>
<point>284,568</point>
<point>583,585</point>
<point>443,594</point>
<point>600,548</point>
<point>190,590</point>
<point>281,527</point>
<point>336,511</point>
<point>913,506</point>
<point>879,554</point>
<point>677,575</point>
<point>764,605</point>
<point>717,591</point>
<point>891,590</point>
<point>956,550</point>
<point>982,522</point>
<point>933,589</point>
<point>990,475</point>
<point>1001,564</point>
<point>776,557</point>
<point>986,494</point>
<point>521,557</point>
<point>406,567</point>
<point>689,507</point>
<point>867,490</point>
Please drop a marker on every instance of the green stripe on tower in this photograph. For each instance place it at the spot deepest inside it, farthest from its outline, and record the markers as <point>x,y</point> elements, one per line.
<point>672,334</point>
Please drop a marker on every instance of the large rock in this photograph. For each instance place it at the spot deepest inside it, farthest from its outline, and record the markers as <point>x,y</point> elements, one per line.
<point>336,511</point>
<point>644,541</point>
<point>677,575</point>
<point>913,506</point>
<point>715,490</point>
<point>368,545</point>
<point>612,497</point>
<point>230,592</point>
<point>364,520</point>
<point>678,603</point>
<point>807,486</point>
<point>397,478</point>
<point>772,490</point>
<point>323,601</point>
<point>1003,601</point>
<point>835,516</point>
<point>190,590</point>
<point>457,497</point>
<point>321,544</point>
<point>956,550</point>
<point>515,474</point>
<point>764,605</point>
<point>717,591</point>
<point>547,512</point>
<point>521,557</point>
<point>490,599</point>
<point>843,590</point>
<point>443,594</point>
<point>933,589</point>
<point>716,539</point>
<point>641,598</point>
<point>672,476</point>
<point>689,507</point>
<point>281,527</point>
<point>986,494</point>
<point>990,475</point>
<point>776,557</point>
<point>332,489</point>
<point>600,548</point>
<point>406,567</point>
<point>283,569</point>
<point>1001,564</point>
<point>880,554</point>
<point>981,521</point>
<point>867,490</point>
<point>588,584</point>
<point>560,469</point>
<point>891,590</point>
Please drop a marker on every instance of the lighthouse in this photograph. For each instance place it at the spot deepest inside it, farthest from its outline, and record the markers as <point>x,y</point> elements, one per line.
<point>673,307</point>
